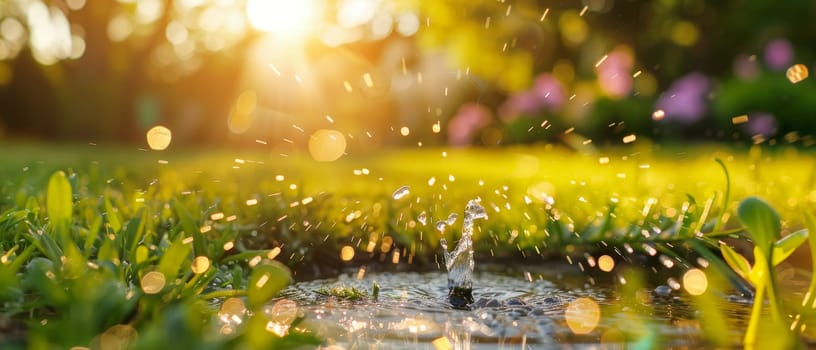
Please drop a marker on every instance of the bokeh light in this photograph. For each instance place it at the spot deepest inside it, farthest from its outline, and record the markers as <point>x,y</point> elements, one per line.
<point>327,145</point>
<point>582,315</point>
<point>695,281</point>
<point>233,306</point>
<point>153,282</point>
<point>347,253</point>
<point>606,263</point>
<point>797,73</point>
<point>280,316</point>
<point>159,137</point>
<point>200,264</point>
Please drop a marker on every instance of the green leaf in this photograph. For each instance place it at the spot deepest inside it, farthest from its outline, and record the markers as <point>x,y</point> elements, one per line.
<point>761,221</point>
<point>93,234</point>
<point>737,262</point>
<point>265,281</point>
<point>760,270</point>
<point>174,258</point>
<point>114,218</point>
<point>59,202</point>
<point>784,247</point>
<point>191,228</point>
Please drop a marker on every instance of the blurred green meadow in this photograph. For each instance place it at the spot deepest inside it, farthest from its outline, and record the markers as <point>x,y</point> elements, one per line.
<point>310,209</point>
<point>156,243</point>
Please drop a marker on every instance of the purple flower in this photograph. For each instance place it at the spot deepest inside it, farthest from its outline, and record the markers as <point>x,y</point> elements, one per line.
<point>761,123</point>
<point>468,120</point>
<point>779,54</point>
<point>685,100</point>
<point>547,93</point>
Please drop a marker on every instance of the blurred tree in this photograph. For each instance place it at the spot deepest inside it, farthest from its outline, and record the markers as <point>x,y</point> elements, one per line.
<point>89,68</point>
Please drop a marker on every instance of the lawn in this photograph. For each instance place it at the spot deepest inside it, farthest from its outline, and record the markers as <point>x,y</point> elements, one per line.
<point>241,212</point>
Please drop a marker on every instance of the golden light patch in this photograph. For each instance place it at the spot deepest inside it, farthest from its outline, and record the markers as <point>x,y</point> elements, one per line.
<point>695,281</point>
<point>797,73</point>
<point>740,119</point>
<point>347,253</point>
<point>658,114</point>
<point>606,263</point>
<point>159,137</point>
<point>327,145</point>
<point>200,264</point>
<point>442,343</point>
<point>153,282</point>
<point>582,315</point>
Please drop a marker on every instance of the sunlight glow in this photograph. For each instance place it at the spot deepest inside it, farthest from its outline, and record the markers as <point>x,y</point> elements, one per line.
<point>291,19</point>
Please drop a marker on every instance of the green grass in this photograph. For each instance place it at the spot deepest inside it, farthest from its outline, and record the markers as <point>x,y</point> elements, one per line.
<point>132,212</point>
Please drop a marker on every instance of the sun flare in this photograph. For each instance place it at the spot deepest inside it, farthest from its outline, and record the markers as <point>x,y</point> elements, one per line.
<point>292,19</point>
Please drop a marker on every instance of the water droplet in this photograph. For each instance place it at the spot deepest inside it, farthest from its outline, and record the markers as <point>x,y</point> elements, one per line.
<point>452,219</point>
<point>405,131</point>
<point>658,114</point>
<point>283,312</point>
<point>663,290</point>
<point>233,306</point>
<point>423,218</point>
<point>441,225</point>
<point>401,192</point>
<point>474,211</point>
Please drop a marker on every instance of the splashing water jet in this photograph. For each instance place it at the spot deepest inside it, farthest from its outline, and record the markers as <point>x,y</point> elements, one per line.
<point>459,262</point>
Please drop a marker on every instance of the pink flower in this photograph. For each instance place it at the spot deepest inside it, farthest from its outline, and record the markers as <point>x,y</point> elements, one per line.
<point>547,93</point>
<point>470,118</point>
<point>613,74</point>
<point>779,54</point>
<point>685,100</point>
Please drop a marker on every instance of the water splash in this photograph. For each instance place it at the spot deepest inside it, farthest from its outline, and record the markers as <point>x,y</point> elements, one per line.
<point>459,262</point>
<point>401,192</point>
<point>423,218</point>
<point>452,219</point>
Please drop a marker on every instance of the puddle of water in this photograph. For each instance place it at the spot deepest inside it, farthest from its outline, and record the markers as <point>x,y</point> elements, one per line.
<point>510,311</point>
